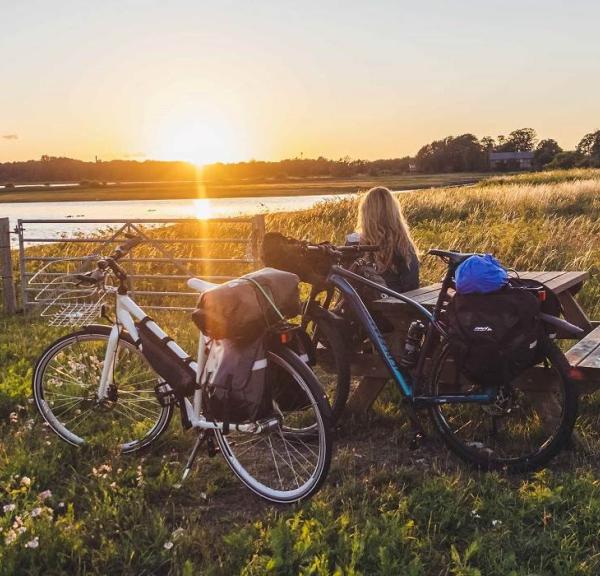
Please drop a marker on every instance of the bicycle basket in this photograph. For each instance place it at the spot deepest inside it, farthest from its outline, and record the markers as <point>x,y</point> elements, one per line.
<point>65,301</point>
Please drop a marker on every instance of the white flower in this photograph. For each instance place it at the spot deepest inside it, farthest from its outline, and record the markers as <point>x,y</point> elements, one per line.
<point>177,533</point>
<point>13,418</point>
<point>475,514</point>
<point>8,508</point>
<point>25,481</point>
<point>36,512</point>
<point>44,495</point>
<point>33,543</point>
<point>496,523</point>
<point>10,537</point>
<point>168,545</point>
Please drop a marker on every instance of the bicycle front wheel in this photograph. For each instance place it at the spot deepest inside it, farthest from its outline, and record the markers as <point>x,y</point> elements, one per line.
<point>65,386</point>
<point>527,424</point>
<point>290,460</point>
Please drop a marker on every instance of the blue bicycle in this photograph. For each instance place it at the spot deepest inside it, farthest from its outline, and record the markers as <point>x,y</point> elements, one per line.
<point>517,425</point>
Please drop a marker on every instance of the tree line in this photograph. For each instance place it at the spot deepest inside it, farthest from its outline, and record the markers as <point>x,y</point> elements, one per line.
<point>463,153</point>
<point>466,153</point>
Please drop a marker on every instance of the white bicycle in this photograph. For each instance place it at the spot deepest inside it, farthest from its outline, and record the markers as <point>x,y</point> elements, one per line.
<point>96,386</point>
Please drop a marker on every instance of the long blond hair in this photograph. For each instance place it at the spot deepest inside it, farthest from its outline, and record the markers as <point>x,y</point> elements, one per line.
<point>381,222</point>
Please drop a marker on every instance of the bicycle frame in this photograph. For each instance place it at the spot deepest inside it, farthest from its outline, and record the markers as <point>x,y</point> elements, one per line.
<point>127,311</point>
<point>339,277</point>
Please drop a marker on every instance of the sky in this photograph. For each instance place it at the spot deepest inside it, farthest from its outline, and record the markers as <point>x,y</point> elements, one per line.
<point>232,80</point>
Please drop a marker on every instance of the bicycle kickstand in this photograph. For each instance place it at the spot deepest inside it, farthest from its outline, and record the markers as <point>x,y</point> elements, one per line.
<point>192,457</point>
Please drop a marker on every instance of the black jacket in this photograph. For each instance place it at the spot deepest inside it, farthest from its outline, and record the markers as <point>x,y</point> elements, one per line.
<point>405,277</point>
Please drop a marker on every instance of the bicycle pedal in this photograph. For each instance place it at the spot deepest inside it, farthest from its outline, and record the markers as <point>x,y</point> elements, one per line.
<point>164,394</point>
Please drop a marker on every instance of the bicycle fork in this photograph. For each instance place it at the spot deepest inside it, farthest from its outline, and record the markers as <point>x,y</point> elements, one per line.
<point>106,378</point>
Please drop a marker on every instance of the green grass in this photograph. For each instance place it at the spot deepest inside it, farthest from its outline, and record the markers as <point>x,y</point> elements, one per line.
<point>384,509</point>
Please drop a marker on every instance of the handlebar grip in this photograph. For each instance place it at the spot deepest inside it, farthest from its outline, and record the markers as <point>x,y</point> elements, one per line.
<point>124,248</point>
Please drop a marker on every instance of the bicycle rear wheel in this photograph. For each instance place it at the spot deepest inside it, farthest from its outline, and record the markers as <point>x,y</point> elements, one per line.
<point>289,461</point>
<point>65,382</point>
<point>522,430</point>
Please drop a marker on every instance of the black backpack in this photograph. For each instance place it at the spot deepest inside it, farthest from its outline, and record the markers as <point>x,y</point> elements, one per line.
<point>494,337</point>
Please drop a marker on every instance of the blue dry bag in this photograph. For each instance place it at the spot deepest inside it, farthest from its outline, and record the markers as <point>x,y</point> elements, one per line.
<point>480,275</point>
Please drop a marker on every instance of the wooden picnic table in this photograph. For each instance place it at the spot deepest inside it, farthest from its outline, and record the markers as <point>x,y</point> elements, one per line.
<point>374,374</point>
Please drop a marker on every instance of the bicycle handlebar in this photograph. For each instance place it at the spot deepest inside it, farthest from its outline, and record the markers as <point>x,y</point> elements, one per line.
<point>124,248</point>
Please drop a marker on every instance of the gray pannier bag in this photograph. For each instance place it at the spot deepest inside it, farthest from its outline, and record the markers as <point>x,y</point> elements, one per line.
<point>234,384</point>
<point>244,308</point>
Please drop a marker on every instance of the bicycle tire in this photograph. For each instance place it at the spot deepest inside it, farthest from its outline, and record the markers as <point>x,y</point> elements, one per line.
<point>253,472</point>
<point>98,333</point>
<point>483,459</point>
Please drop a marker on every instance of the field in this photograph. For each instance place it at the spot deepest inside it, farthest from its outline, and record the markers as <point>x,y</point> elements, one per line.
<point>385,509</point>
<point>182,190</point>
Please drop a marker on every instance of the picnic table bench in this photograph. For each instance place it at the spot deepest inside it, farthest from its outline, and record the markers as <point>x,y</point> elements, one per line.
<point>586,354</point>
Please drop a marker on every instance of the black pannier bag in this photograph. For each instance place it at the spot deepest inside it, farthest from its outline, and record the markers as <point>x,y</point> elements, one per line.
<point>176,371</point>
<point>495,336</point>
<point>244,308</point>
<point>234,383</point>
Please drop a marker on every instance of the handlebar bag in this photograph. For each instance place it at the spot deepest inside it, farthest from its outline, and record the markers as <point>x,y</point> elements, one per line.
<point>242,309</point>
<point>234,382</point>
<point>494,337</point>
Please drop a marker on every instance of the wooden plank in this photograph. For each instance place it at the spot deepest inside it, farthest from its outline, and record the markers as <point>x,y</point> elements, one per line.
<point>365,394</point>
<point>6,274</point>
<point>567,280</point>
<point>573,312</point>
<point>584,348</point>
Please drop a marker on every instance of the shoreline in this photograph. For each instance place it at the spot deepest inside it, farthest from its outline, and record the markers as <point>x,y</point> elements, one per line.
<point>176,191</point>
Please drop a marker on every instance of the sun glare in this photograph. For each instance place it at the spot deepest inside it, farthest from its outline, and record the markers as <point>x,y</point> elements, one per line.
<point>202,208</point>
<point>196,140</point>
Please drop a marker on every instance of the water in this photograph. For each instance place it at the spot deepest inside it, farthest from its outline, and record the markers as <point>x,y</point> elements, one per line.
<point>189,208</point>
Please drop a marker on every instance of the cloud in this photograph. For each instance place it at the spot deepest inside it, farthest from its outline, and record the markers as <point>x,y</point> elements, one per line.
<point>10,136</point>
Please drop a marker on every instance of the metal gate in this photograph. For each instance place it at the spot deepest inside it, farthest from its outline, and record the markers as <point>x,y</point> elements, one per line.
<point>31,260</point>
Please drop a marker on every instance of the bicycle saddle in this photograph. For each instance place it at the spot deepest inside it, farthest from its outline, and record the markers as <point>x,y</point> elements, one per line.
<point>200,285</point>
<point>454,257</point>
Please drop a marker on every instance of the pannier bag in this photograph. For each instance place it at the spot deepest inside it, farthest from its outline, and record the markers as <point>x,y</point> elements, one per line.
<point>176,371</point>
<point>234,382</point>
<point>494,337</point>
<point>480,274</point>
<point>245,307</point>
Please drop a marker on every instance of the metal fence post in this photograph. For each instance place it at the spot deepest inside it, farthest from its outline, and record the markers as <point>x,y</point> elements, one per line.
<point>6,273</point>
<point>258,233</point>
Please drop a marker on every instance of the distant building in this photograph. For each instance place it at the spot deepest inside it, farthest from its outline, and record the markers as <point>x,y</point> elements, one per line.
<point>412,167</point>
<point>511,160</point>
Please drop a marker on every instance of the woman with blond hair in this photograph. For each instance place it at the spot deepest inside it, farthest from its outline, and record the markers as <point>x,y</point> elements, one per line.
<point>381,222</point>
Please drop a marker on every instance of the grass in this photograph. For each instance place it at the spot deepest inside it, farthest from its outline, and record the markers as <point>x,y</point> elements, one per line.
<point>183,190</point>
<point>384,510</point>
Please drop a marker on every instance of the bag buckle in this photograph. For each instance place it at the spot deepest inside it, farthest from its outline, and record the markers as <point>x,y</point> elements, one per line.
<point>165,394</point>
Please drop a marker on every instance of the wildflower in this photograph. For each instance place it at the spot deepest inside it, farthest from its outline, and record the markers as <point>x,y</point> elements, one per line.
<point>474,514</point>
<point>102,471</point>
<point>10,537</point>
<point>8,508</point>
<point>139,476</point>
<point>44,495</point>
<point>25,481</point>
<point>496,523</point>
<point>37,511</point>
<point>13,418</point>
<point>177,533</point>
<point>33,543</point>
<point>168,545</point>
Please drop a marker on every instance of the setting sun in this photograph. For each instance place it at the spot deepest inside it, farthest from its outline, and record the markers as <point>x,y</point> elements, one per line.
<point>196,140</point>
